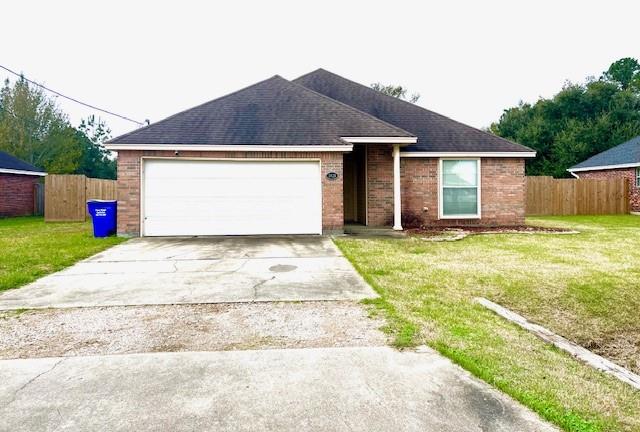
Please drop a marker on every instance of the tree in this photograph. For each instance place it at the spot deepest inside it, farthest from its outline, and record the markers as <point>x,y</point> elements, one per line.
<point>578,122</point>
<point>625,72</point>
<point>96,161</point>
<point>35,130</point>
<point>396,91</point>
<point>32,128</point>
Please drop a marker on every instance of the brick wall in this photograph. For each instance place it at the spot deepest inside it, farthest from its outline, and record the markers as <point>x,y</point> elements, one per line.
<point>380,185</point>
<point>17,194</point>
<point>628,173</point>
<point>502,191</point>
<point>129,183</point>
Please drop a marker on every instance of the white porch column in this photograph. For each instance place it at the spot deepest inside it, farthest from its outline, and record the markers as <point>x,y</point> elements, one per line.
<point>397,202</point>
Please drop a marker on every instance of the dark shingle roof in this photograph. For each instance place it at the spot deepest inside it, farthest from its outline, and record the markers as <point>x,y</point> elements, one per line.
<point>271,112</point>
<point>435,132</point>
<point>13,163</point>
<point>625,153</point>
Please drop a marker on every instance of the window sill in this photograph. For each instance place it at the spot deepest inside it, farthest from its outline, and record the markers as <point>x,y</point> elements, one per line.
<point>460,217</point>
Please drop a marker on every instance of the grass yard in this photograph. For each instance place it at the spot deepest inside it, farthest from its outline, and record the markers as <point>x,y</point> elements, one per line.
<point>584,286</point>
<point>29,248</point>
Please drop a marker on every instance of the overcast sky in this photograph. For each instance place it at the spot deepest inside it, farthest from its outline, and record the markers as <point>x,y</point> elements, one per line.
<point>469,60</point>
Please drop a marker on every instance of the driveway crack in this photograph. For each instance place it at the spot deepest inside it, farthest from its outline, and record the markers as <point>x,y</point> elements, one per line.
<point>258,285</point>
<point>25,385</point>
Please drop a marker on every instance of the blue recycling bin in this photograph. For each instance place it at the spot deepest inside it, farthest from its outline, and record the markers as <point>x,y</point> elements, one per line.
<point>104,216</point>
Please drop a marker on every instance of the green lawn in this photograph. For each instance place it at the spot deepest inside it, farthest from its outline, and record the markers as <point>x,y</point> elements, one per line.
<point>584,286</point>
<point>30,248</point>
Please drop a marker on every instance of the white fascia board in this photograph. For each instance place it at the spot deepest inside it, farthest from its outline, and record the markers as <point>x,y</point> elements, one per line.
<point>605,167</point>
<point>380,140</point>
<point>253,148</point>
<point>22,172</point>
<point>468,154</point>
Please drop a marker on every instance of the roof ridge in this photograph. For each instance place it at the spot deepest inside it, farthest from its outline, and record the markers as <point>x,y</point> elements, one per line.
<point>354,109</point>
<point>194,107</point>
<point>395,99</point>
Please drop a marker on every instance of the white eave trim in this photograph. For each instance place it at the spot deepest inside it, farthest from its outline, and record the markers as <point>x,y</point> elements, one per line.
<point>257,148</point>
<point>604,167</point>
<point>380,140</point>
<point>468,154</point>
<point>22,172</point>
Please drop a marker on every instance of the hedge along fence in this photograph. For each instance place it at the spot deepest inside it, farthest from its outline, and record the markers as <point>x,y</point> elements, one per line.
<point>547,196</point>
<point>66,195</point>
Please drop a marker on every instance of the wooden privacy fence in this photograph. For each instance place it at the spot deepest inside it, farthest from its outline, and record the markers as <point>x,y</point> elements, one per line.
<point>548,196</point>
<point>66,195</point>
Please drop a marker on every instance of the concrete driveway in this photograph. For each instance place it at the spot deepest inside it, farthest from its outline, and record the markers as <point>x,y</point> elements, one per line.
<point>330,389</point>
<point>152,271</point>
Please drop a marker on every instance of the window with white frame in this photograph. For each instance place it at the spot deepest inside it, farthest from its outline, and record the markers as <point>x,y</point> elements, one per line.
<point>638,177</point>
<point>459,188</point>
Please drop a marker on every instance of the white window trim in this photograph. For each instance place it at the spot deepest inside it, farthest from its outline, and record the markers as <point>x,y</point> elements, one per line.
<point>441,214</point>
<point>638,177</point>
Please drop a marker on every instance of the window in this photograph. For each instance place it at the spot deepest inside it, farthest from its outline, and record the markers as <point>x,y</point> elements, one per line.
<point>459,188</point>
<point>638,177</point>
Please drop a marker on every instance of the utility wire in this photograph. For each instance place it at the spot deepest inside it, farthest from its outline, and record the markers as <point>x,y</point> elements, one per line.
<point>74,100</point>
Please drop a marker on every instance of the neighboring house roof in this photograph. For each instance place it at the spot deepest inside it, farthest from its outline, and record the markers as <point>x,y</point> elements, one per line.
<point>271,112</point>
<point>626,154</point>
<point>12,165</point>
<point>435,132</point>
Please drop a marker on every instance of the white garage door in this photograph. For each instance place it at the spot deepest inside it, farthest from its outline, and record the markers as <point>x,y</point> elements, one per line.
<point>199,197</point>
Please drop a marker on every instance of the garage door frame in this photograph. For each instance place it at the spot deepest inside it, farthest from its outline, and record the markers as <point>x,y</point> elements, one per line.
<point>143,159</point>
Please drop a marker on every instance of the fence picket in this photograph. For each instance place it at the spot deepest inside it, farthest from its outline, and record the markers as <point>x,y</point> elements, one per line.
<point>546,196</point>
<point>66,196</point>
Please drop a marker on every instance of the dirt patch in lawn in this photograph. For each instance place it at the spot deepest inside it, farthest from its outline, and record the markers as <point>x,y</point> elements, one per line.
<point>210,327</point>
<point>454,234</point>
<point>621,349</point>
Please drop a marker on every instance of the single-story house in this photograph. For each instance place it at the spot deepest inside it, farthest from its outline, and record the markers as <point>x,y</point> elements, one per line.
<point>17,186</point>
<point>307,157</point>
<point>621,161</point>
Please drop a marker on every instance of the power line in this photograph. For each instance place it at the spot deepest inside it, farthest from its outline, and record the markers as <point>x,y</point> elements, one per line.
<point>72,99</point>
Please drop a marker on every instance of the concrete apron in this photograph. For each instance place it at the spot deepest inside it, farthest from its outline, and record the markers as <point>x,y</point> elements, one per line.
<point>199,270</point>
<point>325,389</point>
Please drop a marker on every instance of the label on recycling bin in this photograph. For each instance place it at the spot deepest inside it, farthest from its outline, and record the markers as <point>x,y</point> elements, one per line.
<point>101,212</point>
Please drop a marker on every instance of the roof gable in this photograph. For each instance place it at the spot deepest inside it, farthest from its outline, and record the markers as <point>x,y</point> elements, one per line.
<point>8,162</point>
<point>271,112</point>
<point>435,132</point>
<point>626,153</point>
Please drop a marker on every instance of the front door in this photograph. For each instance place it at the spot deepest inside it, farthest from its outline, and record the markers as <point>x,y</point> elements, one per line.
<point>354,184</point>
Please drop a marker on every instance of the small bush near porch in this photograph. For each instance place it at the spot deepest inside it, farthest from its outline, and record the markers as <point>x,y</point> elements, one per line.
<point>30,249</point>
<point>584,286</point>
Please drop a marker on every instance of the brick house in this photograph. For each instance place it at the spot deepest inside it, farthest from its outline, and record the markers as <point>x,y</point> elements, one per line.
<point>17,186</point>
<point>312,156</point>
<point>621,161</point>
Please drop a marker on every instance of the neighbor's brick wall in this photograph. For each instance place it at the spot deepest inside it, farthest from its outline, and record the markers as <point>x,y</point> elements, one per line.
<point>502,191</point>
<point>129,183</point>
<point>628,173</point>
<point>17,194</point>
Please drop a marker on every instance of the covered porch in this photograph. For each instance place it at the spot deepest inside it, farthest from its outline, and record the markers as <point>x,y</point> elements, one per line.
<point>371,186</point>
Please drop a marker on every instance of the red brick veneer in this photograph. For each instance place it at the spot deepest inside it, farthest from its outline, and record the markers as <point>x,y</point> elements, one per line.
<point>17,194</point>
<point>502,191</point>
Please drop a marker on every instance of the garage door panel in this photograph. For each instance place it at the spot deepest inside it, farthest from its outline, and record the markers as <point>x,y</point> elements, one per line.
<point>187,197</point>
